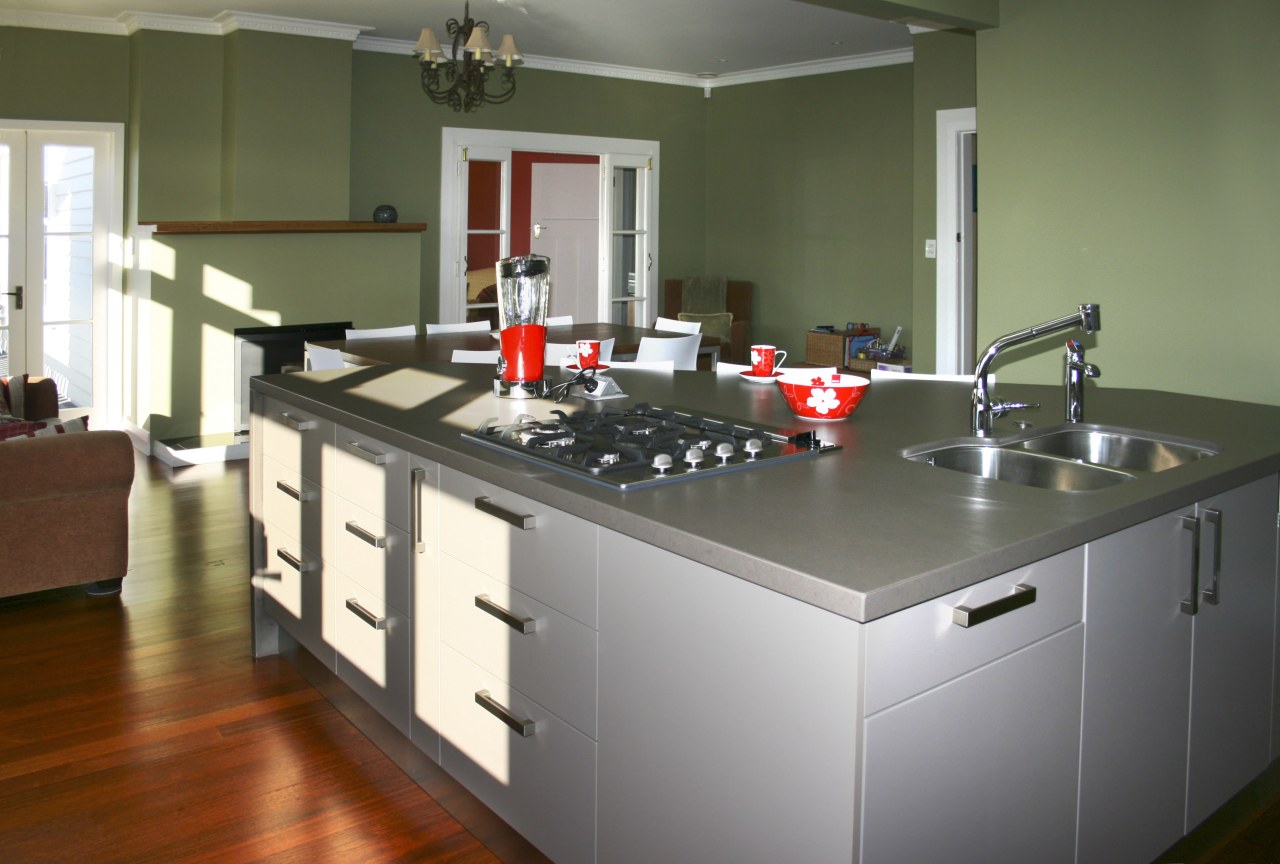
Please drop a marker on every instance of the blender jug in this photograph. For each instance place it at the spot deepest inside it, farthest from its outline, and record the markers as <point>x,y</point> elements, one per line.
<point>524,288</point>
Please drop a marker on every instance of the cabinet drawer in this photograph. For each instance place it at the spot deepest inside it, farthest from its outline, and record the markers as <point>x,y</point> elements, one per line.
<point>373,642</point>
<point>553,559</point>
<point>911,651</point>
<point>298,440</point>
<point>554,663</point>
<point>542,784</point>
<point>372,553</point>
<point>301,507</point>
<point>299,591</point>
<point>373,475</point>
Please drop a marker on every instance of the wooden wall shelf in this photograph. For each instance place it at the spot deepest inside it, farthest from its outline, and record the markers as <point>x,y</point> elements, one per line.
<point>288,227</point>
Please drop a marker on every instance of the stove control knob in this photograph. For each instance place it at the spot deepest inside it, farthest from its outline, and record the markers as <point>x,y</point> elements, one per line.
<point>661,463</point>
<point>724,452</point>
<point>693,457</point>
<point>752,447</point>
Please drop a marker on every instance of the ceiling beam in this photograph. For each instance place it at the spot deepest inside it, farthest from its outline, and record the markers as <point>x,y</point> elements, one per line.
<point>940,14</point>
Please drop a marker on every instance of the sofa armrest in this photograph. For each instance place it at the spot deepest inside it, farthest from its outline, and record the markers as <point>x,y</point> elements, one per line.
<point>74,463</point>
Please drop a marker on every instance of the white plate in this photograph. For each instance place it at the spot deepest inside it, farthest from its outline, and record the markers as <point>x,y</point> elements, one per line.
<point>760,379</point>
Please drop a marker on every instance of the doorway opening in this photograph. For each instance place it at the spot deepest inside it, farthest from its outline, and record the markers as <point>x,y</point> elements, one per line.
<point>957,222</point>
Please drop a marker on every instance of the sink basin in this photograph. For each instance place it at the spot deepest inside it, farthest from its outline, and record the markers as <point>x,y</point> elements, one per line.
<point>1124,450</point>
<point>1021,467</point>
<point>1070,458</point>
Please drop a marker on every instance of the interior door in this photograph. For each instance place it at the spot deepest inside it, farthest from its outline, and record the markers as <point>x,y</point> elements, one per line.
<point>53,248</point>
<point>566,228</point>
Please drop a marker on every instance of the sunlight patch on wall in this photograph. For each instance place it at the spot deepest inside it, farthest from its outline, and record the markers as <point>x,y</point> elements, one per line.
<point>159,372</point>
<point>158,258</point>
<point>217,380</point>
<point>235,294</point>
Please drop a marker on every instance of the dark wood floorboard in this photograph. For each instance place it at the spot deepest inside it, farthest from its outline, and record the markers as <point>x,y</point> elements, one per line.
<point>139,728</point>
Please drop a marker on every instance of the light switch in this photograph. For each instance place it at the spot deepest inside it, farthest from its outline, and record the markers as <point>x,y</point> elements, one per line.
<point>931,248</point>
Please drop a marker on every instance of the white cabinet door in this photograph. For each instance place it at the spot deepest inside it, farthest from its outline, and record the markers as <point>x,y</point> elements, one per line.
<point>1137,679</point>
<point>981,769</point>
<point>1231,667</point>
<point>728,716</point>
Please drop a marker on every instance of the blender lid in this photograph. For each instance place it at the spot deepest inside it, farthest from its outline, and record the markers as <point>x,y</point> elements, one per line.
<point>524,265</point>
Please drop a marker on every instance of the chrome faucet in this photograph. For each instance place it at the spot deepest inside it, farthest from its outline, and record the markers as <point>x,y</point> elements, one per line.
<point>1088,317</point>
<point>1077,371</point>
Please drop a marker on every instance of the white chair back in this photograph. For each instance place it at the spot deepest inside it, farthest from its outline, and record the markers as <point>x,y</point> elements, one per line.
<point>319,357</point>
<point>467,327</point>
<point>461,356</point>
<point>723,368</point>
<point>606,350</point>
<point>882,374</point>
<point>643,365</point>
<point>383,332</point>
<point>681,350</point>
<point>560,321</point>
<point>676,326</point>
<point>559,353</point>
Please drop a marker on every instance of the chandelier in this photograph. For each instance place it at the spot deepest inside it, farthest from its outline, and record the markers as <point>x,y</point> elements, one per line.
<point>461,80</point>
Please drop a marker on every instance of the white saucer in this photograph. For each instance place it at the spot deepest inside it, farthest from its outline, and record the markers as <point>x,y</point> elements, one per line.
<point>600,367</point>
<point>760,379</point>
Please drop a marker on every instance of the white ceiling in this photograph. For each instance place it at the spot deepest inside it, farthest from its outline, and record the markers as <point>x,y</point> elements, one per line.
<point>676,37</point>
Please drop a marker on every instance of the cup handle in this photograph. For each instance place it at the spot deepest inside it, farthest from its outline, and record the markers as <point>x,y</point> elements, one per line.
<point>778,357</point>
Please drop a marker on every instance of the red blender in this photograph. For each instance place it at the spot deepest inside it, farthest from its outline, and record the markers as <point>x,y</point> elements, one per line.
<point>524,287</point>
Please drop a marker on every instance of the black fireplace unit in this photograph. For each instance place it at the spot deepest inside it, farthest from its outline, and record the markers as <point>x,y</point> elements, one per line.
<point>267,350</point>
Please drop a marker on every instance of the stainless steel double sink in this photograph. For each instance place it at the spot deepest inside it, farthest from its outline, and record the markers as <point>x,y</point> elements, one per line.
<point>1073,457</point>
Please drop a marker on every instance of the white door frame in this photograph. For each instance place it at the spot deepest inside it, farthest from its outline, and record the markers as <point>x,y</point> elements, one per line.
<point>108,352</point>
<point>955,301</point>
<point>454,141</point>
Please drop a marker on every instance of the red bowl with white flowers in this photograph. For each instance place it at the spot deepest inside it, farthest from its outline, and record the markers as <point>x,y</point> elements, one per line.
<point>824,396</point>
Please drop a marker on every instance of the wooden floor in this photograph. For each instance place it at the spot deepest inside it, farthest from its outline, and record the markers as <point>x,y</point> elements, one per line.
<point>138,728</point>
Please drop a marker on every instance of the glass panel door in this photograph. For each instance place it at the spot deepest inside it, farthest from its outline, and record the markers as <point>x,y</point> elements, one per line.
<point>68,254</point>
<point>12,249</point>
<point>486,236</point>
<point>630,254</point>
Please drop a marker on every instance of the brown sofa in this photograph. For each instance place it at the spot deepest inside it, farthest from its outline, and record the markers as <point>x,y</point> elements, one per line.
<point>64,500</point>
<point>737,300</point>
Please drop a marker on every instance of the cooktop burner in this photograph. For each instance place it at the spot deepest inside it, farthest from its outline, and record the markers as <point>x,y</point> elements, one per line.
<point>644,445</point>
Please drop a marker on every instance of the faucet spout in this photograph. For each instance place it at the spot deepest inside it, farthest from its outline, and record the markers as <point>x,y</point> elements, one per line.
<point>984,409</point>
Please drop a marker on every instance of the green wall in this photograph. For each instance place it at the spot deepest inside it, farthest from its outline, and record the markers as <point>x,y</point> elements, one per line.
<point>943,78</point>
<point>1129,158</point>
<point>395,146</point>
<point>52,75</point>
<point>809,196</point>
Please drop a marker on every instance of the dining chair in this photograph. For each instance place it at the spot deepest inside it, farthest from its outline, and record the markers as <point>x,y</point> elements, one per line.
<point>382,332</point>
<point>559,353</point>
<point>674,326</point>
<point>681,350</point>
<point>560,321</point>
<point>319,357</point>
<point>723,368</point>
<point>467,327</point>
<point>462,356</point>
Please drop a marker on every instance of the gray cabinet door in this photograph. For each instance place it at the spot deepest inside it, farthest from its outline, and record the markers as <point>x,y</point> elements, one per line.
<point>1231,671</point>
<point>980,769</point>
<point>1137,681</point>
<point>728,717</point>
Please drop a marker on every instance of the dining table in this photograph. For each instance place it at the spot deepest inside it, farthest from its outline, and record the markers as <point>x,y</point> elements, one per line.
<point>439,347</point>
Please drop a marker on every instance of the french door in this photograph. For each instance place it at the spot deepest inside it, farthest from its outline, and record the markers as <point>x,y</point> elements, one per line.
<point>60,194</point>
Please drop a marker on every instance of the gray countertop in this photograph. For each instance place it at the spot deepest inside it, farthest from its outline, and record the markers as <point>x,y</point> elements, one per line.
<point>860,532</point>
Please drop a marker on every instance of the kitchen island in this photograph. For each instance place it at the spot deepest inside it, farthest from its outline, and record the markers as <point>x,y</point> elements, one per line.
<point>758,665</point>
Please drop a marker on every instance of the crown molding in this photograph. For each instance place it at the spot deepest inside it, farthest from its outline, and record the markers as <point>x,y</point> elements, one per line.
<point>57,21</point>
<point>135,21</point>
<point>232,21</point>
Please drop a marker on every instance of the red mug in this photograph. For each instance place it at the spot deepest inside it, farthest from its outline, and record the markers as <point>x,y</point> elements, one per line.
<point>764,359</point>
<point>588,353</point>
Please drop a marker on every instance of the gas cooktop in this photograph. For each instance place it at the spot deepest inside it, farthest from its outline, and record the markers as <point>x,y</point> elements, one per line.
<point>644,445</point>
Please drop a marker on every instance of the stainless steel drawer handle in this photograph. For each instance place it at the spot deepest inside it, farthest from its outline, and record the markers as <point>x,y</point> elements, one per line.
<point>367,455</point>
<point>506,616</point>
<point>1191,603</point>
<point>1214,518</point>
<point>369,537</point>
<point>293,561</point>
<point>524,523</point>
<point>497,709</point>
<point>415,508</point>
<point>297,425</point>
<point>295,494</point>
<point>365,615</point>
<point>1023,595</point>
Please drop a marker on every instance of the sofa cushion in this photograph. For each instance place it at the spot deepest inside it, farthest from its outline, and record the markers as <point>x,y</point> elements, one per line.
<point>12,391</point>
<point>715,324</point>
<point>38,428</point>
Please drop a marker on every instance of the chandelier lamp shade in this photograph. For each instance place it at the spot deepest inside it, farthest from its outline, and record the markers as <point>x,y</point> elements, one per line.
<point>461,79</point>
